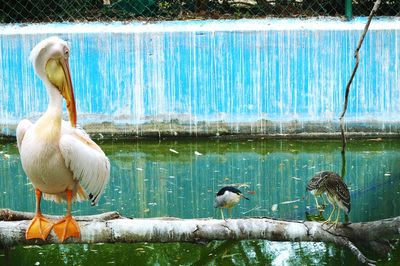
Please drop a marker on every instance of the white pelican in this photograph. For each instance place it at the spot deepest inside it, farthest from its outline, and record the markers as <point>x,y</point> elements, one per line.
<point>61,160</point>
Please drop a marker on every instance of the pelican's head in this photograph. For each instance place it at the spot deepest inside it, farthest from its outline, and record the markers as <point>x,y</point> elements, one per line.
<point>50,60</point>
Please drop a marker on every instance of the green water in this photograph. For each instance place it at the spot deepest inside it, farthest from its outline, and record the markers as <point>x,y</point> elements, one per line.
<point>180,178</point>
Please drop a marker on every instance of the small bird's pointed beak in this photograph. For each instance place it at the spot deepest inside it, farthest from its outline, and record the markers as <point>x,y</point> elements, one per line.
<point>67,92</point>
<point>242,196</point>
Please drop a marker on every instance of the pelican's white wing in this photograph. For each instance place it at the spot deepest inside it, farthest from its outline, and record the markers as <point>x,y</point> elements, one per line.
<point>86,160</point>
<point>22,127</point>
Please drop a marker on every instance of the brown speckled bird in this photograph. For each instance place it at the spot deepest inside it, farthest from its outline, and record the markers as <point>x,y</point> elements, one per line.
<point>313,186</point>
<point>335,189</point>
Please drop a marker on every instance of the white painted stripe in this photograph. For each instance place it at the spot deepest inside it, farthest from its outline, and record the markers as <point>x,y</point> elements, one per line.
<point>326,23</point>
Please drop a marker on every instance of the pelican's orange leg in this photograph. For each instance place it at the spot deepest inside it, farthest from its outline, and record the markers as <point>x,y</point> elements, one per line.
<point>39,227</point>
<point>67,226</point>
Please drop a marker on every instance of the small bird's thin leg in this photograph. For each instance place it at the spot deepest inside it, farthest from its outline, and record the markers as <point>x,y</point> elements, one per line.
<point>337,218</point>
<point>330,216</point>
<point>323,200</point>
<point>230,212</point>
<point>316,202</point>
<point>222,214</point>
<point>335,223</point>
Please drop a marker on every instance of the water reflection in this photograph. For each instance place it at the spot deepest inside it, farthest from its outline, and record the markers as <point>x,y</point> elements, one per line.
<point>215,253</point>
<point>180,178</point>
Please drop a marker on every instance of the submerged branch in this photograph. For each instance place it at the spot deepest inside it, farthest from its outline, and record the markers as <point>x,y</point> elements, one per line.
<point>356,55</point>
<point>96,229</point>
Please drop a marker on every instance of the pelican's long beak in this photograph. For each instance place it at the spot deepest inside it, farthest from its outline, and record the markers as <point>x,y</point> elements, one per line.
<point>58,73</point>
<point>68,92</point>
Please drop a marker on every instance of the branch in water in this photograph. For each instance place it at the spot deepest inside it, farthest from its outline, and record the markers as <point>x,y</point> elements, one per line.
<point>346,97</point>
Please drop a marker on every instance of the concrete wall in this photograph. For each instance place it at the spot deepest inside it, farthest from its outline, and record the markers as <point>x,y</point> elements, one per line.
<point>272,76</point>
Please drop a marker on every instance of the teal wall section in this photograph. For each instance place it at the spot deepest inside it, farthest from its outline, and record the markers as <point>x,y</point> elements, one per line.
<point>204,77</point>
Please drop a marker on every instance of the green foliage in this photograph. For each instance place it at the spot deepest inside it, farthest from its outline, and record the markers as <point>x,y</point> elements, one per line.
<point>12,11</point>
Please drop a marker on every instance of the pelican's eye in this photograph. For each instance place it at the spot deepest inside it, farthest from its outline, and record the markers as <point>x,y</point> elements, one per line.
<point>66,52</point>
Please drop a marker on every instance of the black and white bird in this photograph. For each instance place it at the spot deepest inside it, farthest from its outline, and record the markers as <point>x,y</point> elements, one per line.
<point>335,189</point>
<point>227,198</point>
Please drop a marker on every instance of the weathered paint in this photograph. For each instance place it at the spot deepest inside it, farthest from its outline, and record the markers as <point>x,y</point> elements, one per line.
<point>204,77</point>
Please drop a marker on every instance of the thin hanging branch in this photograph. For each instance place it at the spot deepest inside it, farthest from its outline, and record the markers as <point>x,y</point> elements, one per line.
<point>373,11</point>
<point>113,228</point>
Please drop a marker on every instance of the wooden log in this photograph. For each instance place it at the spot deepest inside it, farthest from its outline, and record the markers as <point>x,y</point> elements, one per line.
<point>113,228</point>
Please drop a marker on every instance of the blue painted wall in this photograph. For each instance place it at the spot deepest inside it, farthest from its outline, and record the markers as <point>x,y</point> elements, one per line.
<point>209,76</point>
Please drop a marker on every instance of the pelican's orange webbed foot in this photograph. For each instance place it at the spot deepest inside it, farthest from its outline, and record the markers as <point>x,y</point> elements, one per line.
<point>39,227</point>
<point>67,227</point>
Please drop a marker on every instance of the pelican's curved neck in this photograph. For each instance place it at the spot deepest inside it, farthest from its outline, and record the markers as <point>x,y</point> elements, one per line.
<point>55,99</point>
<point>49,124</point>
